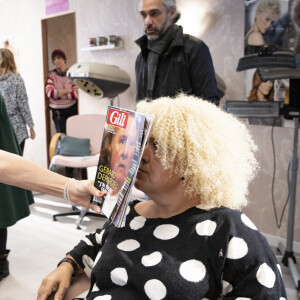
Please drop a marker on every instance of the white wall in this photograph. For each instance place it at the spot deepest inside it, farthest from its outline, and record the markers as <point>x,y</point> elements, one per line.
<point>20,20</point>
<point>220,24</point>
<point>98,18</point>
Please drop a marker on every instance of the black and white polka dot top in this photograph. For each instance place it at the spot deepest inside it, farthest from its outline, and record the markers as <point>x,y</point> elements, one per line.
<point>216,254</point>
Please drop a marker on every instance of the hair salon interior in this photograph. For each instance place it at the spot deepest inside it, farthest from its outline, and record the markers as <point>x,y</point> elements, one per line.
<point>34,28</point>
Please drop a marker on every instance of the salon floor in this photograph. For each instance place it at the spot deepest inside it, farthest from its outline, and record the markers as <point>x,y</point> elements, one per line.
<point>37,244</point>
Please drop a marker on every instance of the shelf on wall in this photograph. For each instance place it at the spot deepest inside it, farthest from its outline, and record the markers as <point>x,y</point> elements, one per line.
<point>104,47</point>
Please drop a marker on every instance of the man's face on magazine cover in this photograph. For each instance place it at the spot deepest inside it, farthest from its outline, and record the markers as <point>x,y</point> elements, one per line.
<point>123,145</point>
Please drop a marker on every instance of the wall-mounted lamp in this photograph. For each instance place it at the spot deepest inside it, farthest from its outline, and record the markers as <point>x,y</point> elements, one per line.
<point>99,80</point>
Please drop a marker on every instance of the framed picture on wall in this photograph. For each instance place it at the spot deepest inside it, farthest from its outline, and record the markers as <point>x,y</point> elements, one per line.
<point>266,22</point>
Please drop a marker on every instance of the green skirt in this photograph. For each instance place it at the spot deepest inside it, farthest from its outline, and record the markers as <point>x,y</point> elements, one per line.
<point>14,202</point>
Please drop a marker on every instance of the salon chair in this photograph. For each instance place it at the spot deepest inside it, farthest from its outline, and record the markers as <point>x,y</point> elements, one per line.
<point>90,127</point>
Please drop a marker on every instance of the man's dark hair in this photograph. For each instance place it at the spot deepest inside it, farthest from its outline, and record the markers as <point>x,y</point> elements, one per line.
<point>169,4</point>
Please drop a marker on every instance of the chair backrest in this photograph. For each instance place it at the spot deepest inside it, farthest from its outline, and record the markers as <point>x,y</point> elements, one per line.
<point>88,126</point>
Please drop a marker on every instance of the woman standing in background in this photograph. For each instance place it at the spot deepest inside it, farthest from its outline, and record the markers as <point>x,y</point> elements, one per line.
<point>61,91</point>
<point>13,91</point>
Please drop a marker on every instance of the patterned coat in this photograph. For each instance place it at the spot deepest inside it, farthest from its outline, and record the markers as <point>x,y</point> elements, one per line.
<point>13,91</point>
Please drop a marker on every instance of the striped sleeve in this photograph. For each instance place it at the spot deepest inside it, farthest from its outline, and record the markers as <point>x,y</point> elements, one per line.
<point>74,94</point>
<point>51,92</point>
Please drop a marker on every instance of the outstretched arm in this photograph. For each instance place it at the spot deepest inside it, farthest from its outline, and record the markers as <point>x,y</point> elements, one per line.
<point>18,171</point>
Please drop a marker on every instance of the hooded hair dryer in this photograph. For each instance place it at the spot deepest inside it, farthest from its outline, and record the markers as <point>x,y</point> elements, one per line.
<point>99,80</point>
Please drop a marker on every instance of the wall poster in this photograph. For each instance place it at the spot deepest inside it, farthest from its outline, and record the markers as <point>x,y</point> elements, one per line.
<point>270,22</point>
<point>266,22</point>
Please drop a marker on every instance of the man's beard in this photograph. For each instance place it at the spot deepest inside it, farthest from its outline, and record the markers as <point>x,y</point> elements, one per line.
<point>159,33</point>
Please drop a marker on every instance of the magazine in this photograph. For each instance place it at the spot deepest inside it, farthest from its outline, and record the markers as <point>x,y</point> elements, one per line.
<point>124,138</point>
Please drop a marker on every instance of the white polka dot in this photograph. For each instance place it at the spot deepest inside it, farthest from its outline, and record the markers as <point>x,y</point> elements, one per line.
<point>265,276</point>
<point>87,241</point>
<point>137,223</point>
<point>155,289</point>
<point>282,298</point>
<point>204,299</point>
<point>99,237</point>
<point>97,257</point>
<point>242,298</point>
<point>119,276</point>
<point>248,222</point>
<point>206,228</point>
<point>192,270</point>
<point>227,287</point>
<point>151,259</point>
<point>127,210</point>
<point>104,297</point>
<point>279,268</point>
<point>237,248</point>
<point>128,245</point>
<point>166,232</point>
<point>95,288</point>
<point>88,263</point>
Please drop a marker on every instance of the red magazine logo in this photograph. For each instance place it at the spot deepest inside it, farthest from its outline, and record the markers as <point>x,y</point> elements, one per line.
<point>117,118</point>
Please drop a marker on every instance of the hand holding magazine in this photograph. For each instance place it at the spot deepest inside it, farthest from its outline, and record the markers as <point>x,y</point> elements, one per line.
<point>124,138</point>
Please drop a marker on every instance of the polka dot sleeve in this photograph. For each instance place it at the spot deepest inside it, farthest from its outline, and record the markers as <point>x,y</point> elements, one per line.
<point>251,269</point>
<point>86,252</point>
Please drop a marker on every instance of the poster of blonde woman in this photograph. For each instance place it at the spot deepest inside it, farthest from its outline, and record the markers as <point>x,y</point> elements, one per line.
<point>266,23</point>
<point>295,28</point>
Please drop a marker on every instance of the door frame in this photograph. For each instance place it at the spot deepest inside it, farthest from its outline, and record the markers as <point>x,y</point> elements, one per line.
<point>45,53</point>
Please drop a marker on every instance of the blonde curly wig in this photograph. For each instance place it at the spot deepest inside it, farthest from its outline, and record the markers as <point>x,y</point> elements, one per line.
<point>210,148</point>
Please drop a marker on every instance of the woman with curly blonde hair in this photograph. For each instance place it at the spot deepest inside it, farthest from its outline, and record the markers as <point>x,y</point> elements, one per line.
<point>189,141</point>
<point>190,241</point>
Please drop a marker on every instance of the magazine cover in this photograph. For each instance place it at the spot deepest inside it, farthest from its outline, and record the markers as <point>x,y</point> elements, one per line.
<point>124,138</point>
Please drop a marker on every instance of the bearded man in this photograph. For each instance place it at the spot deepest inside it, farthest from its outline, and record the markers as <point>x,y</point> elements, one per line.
<point>171,62</point>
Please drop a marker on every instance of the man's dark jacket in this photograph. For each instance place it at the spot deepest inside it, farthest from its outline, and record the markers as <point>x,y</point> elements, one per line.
<point>186,66</point>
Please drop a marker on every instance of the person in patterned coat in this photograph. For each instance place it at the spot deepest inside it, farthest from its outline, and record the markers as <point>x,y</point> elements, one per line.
<point>12,89</point>
<point>191,240</point>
